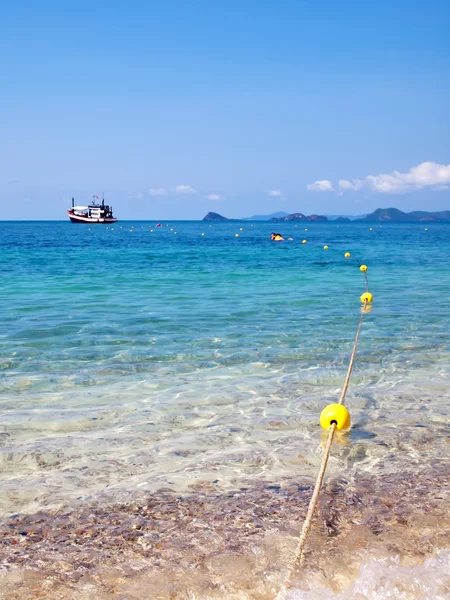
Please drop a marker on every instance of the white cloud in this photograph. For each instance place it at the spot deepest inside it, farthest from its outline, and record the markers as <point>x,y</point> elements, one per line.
<point>426,175</point>
<point>214,197</point>
<point>323,185</point>
<point>184,189</point>
<point>355,184</point>
<point>157,192</point>
<point>277,194</point>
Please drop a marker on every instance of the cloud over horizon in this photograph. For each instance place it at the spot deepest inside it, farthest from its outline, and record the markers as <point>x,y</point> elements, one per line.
<point>184,189</point>
<point>214,197</point>
<point>323,185</point>
<point>157,192</point>
<point>425,175</point>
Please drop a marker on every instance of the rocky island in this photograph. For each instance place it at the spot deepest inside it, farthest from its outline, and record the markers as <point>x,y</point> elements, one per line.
<point>212,216</point>
<point>300,217</point>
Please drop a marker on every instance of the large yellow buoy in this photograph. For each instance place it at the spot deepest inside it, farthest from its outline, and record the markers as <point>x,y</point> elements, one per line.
<point>325,247</point>
<point>335,413</point>
<point>303,241</point>
<point>363,268</point>
<point>347,255</point>
<point>366,298</point>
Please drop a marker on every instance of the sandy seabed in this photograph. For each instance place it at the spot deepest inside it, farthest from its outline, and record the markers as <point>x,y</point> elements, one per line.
<point>238,544</point>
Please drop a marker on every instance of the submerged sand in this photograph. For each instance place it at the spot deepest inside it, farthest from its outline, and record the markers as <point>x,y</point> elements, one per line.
<point>237,544</point>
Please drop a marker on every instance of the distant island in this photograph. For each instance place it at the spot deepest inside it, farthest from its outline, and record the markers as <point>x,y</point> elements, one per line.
<point>396,215</point>
<point>212,216</point>
<point>266,217</point>
<point>300,217</point>
<point>386,215</point>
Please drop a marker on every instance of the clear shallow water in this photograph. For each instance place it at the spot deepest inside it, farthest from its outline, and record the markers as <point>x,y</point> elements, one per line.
<point>135,361</point>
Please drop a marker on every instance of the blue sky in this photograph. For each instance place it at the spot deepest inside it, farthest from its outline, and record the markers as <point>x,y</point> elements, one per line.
<point>176,108</point>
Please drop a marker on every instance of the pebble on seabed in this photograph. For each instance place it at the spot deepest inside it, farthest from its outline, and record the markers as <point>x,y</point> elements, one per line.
<point>217,527</point>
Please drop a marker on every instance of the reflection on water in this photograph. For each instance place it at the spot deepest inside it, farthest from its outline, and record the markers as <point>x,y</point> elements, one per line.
<point>234,424</point>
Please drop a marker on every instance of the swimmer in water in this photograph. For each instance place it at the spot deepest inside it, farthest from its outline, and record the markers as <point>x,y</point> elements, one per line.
<point>276,237</point>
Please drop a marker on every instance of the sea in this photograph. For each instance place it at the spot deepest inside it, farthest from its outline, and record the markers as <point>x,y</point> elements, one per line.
<point>160,394</point>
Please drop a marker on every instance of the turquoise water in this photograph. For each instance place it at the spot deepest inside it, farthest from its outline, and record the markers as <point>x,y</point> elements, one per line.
<point>136,358</point>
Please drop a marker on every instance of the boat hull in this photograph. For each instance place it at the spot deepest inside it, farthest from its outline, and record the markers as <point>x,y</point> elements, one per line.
<point>78,219</point>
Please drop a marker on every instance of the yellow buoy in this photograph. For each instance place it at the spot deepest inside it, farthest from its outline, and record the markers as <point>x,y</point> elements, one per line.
<point>303,241</point>
<point>366,297</point>
<point>363,268</point>
<point>347,255</point>
<point>371,229</point>
<point>236,235</point>
<point>335,413</point>
<point>241,229</point>
<point>325,247</point>
<point>203,234</point>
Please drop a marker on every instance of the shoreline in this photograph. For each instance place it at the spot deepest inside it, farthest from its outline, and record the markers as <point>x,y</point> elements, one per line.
<point>238,544</point>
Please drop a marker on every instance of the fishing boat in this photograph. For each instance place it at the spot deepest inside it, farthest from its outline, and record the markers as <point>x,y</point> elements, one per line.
<point>94,213</point>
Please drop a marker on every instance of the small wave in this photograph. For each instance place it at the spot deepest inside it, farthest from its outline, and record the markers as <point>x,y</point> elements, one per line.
<point>379,579</point>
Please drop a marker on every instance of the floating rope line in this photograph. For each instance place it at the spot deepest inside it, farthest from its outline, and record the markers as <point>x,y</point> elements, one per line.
<point>334,416</point>
<point>365,276</point>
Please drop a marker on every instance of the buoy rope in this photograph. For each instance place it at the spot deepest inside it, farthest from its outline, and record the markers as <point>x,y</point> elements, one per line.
<point>353,354</point>
<point>312,504</point>
<point>367,281</point>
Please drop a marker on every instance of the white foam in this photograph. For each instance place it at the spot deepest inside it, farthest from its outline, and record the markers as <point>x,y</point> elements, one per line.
<point>388,578</point>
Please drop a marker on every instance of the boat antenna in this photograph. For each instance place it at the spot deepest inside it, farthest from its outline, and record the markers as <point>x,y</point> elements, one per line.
<point>73,202</point>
